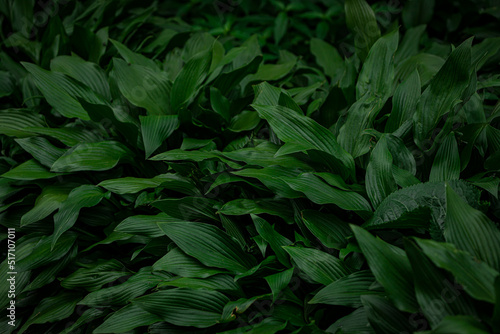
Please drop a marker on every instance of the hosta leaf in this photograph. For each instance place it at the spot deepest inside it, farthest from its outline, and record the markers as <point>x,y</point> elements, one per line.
<point>189,80</point>
<point>360,18</point>
<point>41,149</point>
<point>95,275</point>
<point>328,58</point>
<point>126,319</point>
<point>188,208</point>
<point>346,291</point>
<point>383,316</point>
<point>132,185</point>
<point>270,177</point>
<point>321,267</point>
<point>85,196</point>
<point>222,283</point>
<point>417,12</point>
<point>62,92</point>
<point>47,202</point>
<point>276,241</point>
<point>209,245</point>
<point>379,180</point>
<point>329,229</point>
<point>92,157</point>
<point>15,122</point>
<point>321,193</point>
<point>29,170</point>
<point>435,294</point>
<point>293,128</point>
<point>52,309</point>
<point>443,92</point>
<point>87,73</point>
<point>87,316</point>
<point>356,322</point>
<point>155,130</point>
<point>404,102</point>
<point>143,87</point>
<point>460,324</point>
<point>471,230</point>
<point>176,262</point>
<point>390,266</point>
<point>446,164</point>
<point>184,307</point>
<point>477,278</point>
<point>278,282</point>
<point>133,57</point>
<point>68,136</point>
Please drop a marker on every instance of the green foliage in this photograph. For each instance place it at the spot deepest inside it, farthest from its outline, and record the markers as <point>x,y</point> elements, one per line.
<point>220,166</point>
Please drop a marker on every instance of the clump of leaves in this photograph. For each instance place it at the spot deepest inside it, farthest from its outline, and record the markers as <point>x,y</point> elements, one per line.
<point>241,166</point>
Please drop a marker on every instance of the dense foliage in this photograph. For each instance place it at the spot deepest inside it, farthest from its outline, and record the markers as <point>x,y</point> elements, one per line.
<point>237,166</point>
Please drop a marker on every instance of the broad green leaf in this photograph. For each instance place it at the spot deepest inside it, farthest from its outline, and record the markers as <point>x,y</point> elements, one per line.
<point>220,104</point>
<point>391,268</point>
<point>280,26</point>
<point>240,207</point>
<point>63,92</point>
<point>346,291</point>
<point>87,73</point>
<point>410,44</point>
<point>446,164</point>
<point>144,225</point>
<point>361,20</point>
<point>416,12</point>
<point>176,262</point>
<point>41,149</point>
<point>85,196</point>
<point>278,282</point>
<point>189,80</point>
<point>226,81</point>
<point>184,307</point>
<point>384,317</point>
<point>52,309</point>
<point>268,95</point>
<point>329,229</point>
<point>321,193</point>
<point>143,87</point>
<point>460,324</point>
<point>270,177</point>
<point>356,322</point>
<point>244,121</point>
<point>276,241</point>
<point>132,185</point>
<point>126,319</point>
<point>435,294</point>
<point>293,128</point>
<point>328,58</point>
<point>47,202</point>
<point>155,130</point>
<point>87,317</point>
<point>95,275</point>
<point>404,102</point>
<point>133,57</point>
<point>443,93</point>
<point>69,136</point>
<point>379,180</point>
<point>97,156</point>
<point>29,170</point>
<point>16,122</point>
<point>477,278</point>
<point>209,245</point>
<point>321,267</point>
<point>471,230</point>
<point>188,208</point>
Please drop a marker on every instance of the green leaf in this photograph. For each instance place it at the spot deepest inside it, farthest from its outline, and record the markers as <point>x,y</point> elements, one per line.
<point>41,149</point>
<point>321,193</point>
<point>133,57</point>
<point>293,128</point>
<point>87,317</point>
<point>346,291</point>
<point>143,87</point>
<point>126,319</point>
<point>47,202</point>
<point>417,12</point>
<point>446,164</point>
<point>329,229</point>
<point>404,102</point>
<point>278,282</point>
<point>63,92</point>
<point>155,130</point>
<point>328,58</point>
<point>379,180</point>
<point>85,196</point>
<point>16,122</point>
<point>443,93</point>
<point>144,225</point>
<point>391,267</point>
<point>209,245</point>
<point>188,208</point>
<point>275,240</point>
<point>95,275</point>
<point>98,156</point>
<point>52,309</point>
<point>321,267</point>
<point>356,322</point>
<point>384,317</point>
<point>176,262</point>
<point>29,170</point>
<point>460,324</point>
<point>132,185</point>
<point>189,80</point>
<point>184,307</point>
<point>44,253</point>
<point>471,230</point>
<point>280,26</point>
<point>432,288</point>
<point>89,74</point>
<point>476,278</point>
<point>361,20</point>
